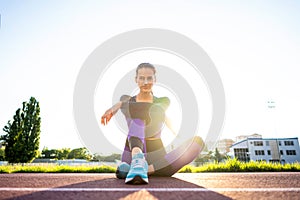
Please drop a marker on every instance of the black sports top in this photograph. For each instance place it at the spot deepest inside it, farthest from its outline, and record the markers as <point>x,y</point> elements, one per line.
<point>153,114</point>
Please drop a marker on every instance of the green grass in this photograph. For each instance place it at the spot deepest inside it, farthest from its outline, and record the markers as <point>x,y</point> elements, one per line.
<point>56,169</point>
<point>231,165</point>
<point>234,165</point>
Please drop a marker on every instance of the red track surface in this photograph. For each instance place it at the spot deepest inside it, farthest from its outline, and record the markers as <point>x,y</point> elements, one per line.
<point>180,186</point>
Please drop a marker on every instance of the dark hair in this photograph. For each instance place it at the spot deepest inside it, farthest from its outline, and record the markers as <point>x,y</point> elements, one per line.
<point>145,65</point>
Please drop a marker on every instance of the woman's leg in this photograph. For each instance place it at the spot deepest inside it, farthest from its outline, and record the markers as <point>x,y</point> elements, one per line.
<point>155,150</point>
<point>176,159</point>
<point>126,155</point>
<point>134,152</point>
<point>134,144</point>
<point>135,138</point>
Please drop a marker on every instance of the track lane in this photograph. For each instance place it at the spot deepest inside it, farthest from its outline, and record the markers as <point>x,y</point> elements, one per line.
<point>180,186</point>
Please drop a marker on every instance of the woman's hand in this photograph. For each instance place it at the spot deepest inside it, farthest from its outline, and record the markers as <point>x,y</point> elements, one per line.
<point>110,112</point>
<point>106,117</point>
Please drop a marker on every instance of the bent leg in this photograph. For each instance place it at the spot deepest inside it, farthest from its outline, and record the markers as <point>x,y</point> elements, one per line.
<point>181,156</point>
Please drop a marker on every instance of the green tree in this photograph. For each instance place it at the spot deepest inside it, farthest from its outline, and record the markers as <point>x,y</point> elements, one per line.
<point>204,157</point>
<point>63,153</point>
<point>110,158</point>
<point>59,154</point>
<point>22,136</point>
<point>49,153</point>
<point>218,157</point>
<point>2,154</point>
<point>80,153</point>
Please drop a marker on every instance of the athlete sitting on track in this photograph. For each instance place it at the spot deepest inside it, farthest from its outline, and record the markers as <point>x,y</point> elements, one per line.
<point>144,150</point>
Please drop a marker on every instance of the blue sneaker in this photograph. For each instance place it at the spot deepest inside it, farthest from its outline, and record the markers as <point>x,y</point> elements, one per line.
<point>138,173</point>
<point>122,170</point>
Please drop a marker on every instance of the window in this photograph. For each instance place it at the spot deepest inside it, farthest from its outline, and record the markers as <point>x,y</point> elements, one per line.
<point>259,152</point>
<point>269,152</point>
<point>267,143</point>
<point>242,154</point>
<point>258,143</point>
<point>279,143</point>
<point>291,152</point>
<point>281,152</point>
<point>289,143</point>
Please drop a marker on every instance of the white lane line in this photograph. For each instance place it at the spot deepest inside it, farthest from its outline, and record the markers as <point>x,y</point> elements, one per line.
<point>154,189</point>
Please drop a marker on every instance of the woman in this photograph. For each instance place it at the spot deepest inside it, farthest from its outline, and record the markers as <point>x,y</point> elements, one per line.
<point>144,150</point>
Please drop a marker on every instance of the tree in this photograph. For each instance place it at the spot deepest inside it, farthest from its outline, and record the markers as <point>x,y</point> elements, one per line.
<point>110,158</point>
<point>49,153</point>
<point>22,136</point>
<point>59,154</point>
<point>63,153</point>
<point>204,157</point>
<point>2,155</point>
<point>80,153</point>
<point>218,157</point>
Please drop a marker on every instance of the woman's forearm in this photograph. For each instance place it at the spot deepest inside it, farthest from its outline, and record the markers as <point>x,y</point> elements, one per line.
<point>114,109</point>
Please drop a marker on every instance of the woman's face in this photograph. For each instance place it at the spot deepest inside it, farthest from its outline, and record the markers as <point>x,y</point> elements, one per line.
<point>145,79</point>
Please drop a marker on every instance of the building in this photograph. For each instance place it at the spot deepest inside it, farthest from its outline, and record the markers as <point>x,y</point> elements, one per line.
<point>224,145</point>
<point>284,150</point>
<point>244,137</point>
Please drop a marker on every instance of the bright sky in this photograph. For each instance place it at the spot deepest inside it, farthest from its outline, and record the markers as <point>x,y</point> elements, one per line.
<point>255,46</point>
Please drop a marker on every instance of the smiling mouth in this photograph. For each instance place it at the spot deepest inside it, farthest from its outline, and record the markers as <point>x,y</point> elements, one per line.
<point>146,87</point>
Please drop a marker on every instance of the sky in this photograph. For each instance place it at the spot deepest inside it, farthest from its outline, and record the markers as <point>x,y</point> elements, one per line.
<point>255,46</point>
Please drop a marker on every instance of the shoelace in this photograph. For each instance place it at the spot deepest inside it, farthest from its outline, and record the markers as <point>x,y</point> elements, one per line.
<point>138,163</point>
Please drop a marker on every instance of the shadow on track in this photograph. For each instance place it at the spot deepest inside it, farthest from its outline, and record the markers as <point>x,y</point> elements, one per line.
<point>140,193</point>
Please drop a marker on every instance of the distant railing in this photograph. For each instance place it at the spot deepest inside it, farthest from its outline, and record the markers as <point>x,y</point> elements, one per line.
<point>72,162</point>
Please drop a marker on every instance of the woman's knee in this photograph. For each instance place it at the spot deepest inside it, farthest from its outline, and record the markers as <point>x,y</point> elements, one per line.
<point>198,140</point>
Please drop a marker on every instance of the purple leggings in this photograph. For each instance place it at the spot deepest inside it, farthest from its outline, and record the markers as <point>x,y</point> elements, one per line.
<point>165,164</point>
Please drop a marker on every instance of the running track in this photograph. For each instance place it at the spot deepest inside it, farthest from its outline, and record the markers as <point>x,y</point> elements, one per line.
<point>180,186</point>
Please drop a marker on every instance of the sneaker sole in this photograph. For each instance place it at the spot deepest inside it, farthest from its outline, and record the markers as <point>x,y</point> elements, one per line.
<point>121,174</point>
<point>136,180</point>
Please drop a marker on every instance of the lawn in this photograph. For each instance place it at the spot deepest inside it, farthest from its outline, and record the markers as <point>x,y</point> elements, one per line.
<point>230,165</point>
